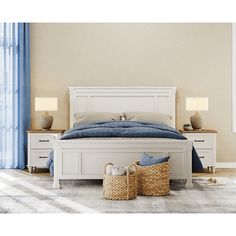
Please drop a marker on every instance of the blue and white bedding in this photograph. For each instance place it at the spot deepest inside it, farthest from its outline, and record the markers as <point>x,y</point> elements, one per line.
<point>125,129</point>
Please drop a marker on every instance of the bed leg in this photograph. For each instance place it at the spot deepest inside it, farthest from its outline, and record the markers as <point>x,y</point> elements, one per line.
<point>57,164</point>
<point>189,184</point>
<point>56,184</point>
<point>189,177</point>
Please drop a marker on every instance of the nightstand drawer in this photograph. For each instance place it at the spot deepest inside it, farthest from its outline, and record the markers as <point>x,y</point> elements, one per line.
<point>41,140</point>
<point>39,158</point>
<point>206,157</point>
<point>201,140</point>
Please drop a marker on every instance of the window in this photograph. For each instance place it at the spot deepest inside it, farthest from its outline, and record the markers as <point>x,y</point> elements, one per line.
<point>234,75</point>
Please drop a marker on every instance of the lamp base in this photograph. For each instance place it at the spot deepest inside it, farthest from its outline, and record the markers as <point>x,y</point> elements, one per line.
<point>46,121</point>
<point>45,129</point>
<point>196,121</point>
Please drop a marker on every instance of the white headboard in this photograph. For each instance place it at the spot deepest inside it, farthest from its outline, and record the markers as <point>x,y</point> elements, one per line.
<point>121,99</point>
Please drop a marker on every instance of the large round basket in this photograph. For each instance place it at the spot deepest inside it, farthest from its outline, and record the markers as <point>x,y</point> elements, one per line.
<point>120,187</point>
<point>153,180</point>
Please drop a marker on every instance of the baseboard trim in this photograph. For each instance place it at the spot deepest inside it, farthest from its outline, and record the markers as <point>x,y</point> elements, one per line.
<point>225,164</point>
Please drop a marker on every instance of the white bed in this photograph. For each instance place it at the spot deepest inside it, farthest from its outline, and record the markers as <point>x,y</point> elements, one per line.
<point>85,158</point>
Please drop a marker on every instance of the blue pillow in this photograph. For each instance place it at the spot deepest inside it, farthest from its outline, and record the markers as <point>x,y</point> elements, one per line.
<point>147,160</point>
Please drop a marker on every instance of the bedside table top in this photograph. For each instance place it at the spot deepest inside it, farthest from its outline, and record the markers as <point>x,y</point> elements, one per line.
<point>198,131</point>
<point>46,131</point>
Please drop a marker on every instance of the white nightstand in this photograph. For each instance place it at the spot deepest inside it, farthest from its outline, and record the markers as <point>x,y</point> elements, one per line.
<point>204,142</point>
<point>39,146</point>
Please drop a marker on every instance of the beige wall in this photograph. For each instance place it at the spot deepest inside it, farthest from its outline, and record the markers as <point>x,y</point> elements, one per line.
<point>196,58</point>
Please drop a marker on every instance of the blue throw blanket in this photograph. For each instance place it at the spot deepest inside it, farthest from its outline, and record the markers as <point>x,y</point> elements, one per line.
<point>127,129</point>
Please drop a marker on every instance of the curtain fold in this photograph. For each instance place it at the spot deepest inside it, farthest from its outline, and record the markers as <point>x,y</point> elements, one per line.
<point>14,94</point>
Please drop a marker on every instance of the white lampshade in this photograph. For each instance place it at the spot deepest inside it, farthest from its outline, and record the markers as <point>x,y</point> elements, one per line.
<point>46,104</point>
<point>197,104</point>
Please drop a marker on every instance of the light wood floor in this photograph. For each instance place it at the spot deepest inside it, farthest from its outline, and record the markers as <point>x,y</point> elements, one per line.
<point>220,172</point>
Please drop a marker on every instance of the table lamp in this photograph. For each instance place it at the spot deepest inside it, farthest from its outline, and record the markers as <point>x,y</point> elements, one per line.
<point>46,104</point>
<point>196,104</point>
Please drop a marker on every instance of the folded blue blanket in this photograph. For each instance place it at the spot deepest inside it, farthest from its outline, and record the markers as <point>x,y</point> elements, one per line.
<point>127,129</point>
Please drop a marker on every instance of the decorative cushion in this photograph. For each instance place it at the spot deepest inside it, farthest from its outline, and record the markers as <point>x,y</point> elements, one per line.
<point>151,117</point>
<point>147,160</point>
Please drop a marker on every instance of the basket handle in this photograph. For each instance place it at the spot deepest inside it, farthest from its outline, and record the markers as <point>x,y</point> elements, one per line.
<point>108,164</point>
<point>136,163</point>
<point>129,166</point>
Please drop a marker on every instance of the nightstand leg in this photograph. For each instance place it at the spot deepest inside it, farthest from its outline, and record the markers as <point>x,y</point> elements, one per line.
<point>213,169</point>
<point>30,168</point>
<point>209,169</point>
<point>56,183</point>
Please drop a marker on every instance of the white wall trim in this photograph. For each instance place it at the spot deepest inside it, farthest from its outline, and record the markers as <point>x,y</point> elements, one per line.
<point>234,76</point>
<point>225,164</point>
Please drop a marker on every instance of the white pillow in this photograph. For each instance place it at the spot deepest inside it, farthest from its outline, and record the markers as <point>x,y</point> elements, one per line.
<point>151,117</point>
<point>87,117</point>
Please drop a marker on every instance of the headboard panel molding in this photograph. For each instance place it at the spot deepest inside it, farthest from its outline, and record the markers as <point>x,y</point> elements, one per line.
<point>121,99</point>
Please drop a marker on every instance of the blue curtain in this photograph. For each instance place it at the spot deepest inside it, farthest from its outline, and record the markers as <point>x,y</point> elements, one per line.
<point>14,94</point>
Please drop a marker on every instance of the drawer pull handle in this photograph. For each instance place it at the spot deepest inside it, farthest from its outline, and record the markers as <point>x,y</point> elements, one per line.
<point>43,140</point>
<point>43,157</point>
<point>201,157</point>
<point>199,140</point>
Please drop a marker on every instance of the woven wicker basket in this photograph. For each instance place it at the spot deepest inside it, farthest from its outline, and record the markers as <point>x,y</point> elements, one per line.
<point>121,187</point>
<point>153,180</point>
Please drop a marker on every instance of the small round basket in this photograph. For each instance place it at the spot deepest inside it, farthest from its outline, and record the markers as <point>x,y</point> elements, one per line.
<point>120,187</point>
<point>153,180</point>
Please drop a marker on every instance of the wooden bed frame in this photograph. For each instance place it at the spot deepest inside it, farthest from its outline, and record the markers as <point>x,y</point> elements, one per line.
<point>86,158</point>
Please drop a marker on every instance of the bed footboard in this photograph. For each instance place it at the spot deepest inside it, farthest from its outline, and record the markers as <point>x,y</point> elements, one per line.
<point>85,159</point>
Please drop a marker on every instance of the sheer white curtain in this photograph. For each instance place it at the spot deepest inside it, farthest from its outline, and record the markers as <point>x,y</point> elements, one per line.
<point>13,76</point>
<point>8,87</point>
